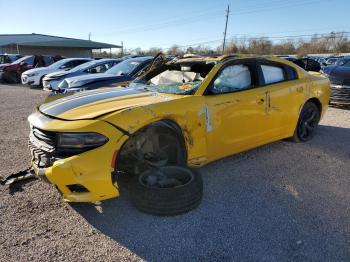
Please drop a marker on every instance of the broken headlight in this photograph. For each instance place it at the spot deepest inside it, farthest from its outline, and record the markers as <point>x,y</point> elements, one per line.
<point>80,141</point>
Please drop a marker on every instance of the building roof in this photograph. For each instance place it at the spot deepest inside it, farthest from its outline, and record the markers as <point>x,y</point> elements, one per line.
<point>50,41</point>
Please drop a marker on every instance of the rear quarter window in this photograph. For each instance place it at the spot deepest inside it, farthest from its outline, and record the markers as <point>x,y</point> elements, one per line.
<point>291,73</point>
<point>277,72</point>
<point>272,74</point>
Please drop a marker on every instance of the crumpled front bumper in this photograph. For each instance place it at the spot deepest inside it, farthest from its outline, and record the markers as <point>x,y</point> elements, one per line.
<point>91,171</point>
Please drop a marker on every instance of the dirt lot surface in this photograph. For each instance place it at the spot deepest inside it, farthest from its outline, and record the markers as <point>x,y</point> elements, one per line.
<point>280,202</point>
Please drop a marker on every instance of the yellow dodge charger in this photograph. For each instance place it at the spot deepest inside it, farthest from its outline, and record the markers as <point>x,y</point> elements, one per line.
<point>188,111</point>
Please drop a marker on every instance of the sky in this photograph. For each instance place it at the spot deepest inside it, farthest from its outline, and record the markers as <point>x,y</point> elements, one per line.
<point>162,23</point>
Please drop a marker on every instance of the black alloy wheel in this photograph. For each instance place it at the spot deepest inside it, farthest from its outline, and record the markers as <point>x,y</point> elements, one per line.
<point>307,123</point>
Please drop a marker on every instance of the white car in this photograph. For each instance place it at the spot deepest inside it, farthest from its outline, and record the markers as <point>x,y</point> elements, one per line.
<point>34,77</point>
<point>51,81</point>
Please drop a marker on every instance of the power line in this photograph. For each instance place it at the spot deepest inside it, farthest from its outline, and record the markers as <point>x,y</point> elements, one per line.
<point>211,15</point>
<point>257,35</point>
<point>314,36</point>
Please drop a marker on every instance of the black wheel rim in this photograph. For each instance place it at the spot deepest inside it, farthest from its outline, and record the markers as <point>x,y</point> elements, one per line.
<point>165,178</point>
<point>307,124</point>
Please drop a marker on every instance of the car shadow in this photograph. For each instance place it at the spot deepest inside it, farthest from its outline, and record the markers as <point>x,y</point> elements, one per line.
<point>272,203</point>
<point>19,185</point>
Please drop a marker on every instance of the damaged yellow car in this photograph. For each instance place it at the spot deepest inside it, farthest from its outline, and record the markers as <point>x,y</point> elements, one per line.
<point>188,111</point>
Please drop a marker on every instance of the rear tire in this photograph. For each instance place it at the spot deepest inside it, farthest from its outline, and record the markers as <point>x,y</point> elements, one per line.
<point>173,199</point>
<point>307,123</point>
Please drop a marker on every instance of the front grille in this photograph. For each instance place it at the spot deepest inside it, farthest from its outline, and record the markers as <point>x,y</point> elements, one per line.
<point>42,145</point>
<point>341,94</point>
<point>48,138</point>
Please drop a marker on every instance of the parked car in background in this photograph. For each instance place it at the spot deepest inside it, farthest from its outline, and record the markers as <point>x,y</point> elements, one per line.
<point>121,73</point>
<point>339,75</point>
<point>332,60</point>
<point>308,64</point>
<point>5,60</point>
<point>11,73</point>
<point>34,77</point>
<point>52,80</point>
<point>9,58</point>
<point>322,61</point>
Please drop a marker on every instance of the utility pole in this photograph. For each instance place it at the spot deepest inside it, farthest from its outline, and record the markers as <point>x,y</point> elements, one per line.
<point>122,43</point>
<point>227,13</point>
<point>89,36</point>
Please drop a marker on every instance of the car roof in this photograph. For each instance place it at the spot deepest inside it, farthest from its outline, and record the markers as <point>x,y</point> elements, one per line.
<point>140,58</point>
<point>107,60</point>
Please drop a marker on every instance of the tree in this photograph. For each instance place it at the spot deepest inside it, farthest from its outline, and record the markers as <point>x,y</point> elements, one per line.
<point>175,50</point>
<point>153,51</point>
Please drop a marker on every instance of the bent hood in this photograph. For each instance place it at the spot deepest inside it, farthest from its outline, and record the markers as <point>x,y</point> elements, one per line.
<point>78,81</point>
<point>91,104</point>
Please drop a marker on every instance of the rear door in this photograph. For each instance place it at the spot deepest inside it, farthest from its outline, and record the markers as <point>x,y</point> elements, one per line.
<point>285,95</point>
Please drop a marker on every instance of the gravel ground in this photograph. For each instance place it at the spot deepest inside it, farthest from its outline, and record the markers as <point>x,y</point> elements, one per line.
<point>280,202</point>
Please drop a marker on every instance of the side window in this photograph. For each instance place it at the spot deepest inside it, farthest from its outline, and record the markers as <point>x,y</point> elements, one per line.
<point>272,74</point>
<point>97,69</point>
<point>291,73</point>
<point>233,78</point>
<point>142,70</point>
<point>346,63</point>
<point>48,60</point>
<point>79,62</point>
<point>30,60</point>
<point>102,68</point>
<point>110,64</point>
<point>67,65</point>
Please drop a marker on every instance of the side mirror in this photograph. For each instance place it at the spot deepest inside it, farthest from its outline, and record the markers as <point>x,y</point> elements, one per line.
<point>23,63</point>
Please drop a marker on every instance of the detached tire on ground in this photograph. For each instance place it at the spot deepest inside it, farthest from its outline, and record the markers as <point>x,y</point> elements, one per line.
<point>170,190</point>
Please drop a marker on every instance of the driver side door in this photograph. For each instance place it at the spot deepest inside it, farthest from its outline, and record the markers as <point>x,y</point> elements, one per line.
<point>236,110</point>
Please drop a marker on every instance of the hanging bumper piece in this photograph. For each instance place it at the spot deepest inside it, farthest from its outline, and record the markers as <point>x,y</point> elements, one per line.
<point>19,176</point>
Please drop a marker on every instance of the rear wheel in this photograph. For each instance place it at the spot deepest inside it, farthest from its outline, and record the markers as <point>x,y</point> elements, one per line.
<point>40,85</point>
<point>308,121</point>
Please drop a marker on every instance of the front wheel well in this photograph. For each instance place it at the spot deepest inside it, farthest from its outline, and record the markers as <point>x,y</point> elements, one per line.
<point>41,81</point>
<point>162,142</point>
